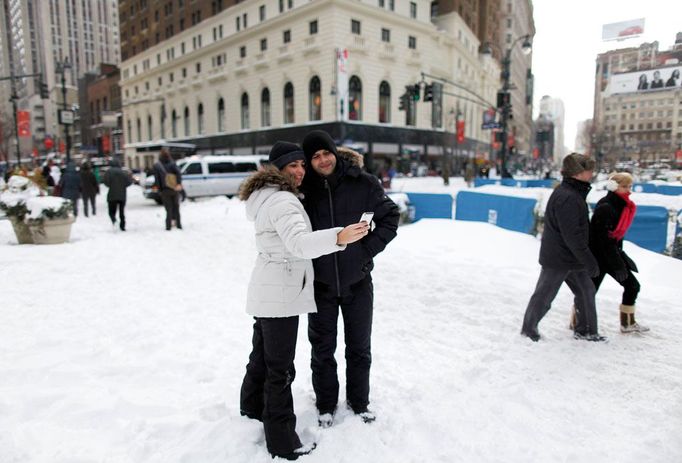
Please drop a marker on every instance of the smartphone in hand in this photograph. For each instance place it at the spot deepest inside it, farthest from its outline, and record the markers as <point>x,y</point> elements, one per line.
<point>367,217</point>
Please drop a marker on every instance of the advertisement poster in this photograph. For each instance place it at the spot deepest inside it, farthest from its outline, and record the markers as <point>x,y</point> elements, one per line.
<point>645,81</point>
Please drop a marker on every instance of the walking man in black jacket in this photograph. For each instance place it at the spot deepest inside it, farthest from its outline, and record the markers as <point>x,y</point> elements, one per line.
<point>565,254</point>
<point>337,192</point>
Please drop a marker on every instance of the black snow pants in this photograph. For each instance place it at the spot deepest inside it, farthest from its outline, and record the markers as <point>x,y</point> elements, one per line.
<point>356,304</point>
<point>547,287</point>
<point>630,287</point>
<point>266,389</point>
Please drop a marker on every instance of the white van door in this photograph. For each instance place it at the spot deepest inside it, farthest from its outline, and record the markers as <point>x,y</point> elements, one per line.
<point>194,179</point>
<point>221,177</point>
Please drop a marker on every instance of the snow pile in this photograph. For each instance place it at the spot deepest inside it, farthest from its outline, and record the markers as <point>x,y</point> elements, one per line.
<point>38,206</point>
<point>131,347</point>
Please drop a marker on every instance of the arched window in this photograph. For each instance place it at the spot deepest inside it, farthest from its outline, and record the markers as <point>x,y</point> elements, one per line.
<point>150,127</point>
<point>221,115</point>
<point>315,99</point>
<point>139,129</point>
<point>186,121</point>
<point>245,111</point>
<point>265,108</point>
<point>200,118</point>
<point>355,99</point>
<point>174,124</point>
<point>384,102</point>
<point>130,131</point>
<point>162,119</point>
<point>288,103</point>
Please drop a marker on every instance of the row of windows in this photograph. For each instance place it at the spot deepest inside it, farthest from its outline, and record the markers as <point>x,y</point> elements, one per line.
<point>286,38</point>
<point>648,126</point>
<point>642,104</point>
<point>354,108</point>
<point>642,115</point>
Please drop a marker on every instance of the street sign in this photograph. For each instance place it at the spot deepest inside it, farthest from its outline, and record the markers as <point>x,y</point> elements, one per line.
<point>66,117</point>
<point>489,119</point>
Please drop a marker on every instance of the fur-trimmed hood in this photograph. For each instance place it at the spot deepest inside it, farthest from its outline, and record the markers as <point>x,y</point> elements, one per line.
<point>351,156</point>
<point>257,188</point>
<point>269,176</point>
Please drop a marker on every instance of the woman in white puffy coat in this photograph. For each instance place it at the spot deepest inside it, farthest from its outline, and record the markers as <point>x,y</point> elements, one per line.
<point>280,289</point>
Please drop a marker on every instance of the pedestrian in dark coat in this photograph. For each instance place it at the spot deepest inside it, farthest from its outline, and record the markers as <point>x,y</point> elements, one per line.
<point>612,218</point>
<point>89,187</point>
<point>337,192</point>
<point>565,254</point>
<point>170,194</point>
<point>70,185</point>
<point>118,181</point>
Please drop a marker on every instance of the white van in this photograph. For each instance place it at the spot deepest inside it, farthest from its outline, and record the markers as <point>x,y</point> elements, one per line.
<point>218,175</point>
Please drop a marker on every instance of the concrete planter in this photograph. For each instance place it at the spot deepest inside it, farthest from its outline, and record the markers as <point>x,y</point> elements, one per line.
<point>51,231</point>
<point>21,230</point>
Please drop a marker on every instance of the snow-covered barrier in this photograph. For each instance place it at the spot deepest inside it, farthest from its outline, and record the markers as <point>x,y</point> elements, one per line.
<point>672,190</point>
<point>644,188</point>
<point>509,212</point>
<point>431,205</point>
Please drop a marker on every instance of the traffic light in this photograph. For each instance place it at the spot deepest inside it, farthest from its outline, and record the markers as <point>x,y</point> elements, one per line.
<point>414,91</point>
<point>44,91</point>
<point>404,101</point>
<point>428,92</point>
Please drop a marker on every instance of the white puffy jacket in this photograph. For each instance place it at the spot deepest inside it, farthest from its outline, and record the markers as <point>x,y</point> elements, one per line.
<point>281,283</point>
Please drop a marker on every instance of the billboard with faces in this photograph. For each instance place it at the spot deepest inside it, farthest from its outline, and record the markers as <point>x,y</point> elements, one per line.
<point>645,81</point>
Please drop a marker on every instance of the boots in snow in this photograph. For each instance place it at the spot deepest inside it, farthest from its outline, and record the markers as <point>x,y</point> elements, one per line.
<point>627,320</point>
<point>299,452</point>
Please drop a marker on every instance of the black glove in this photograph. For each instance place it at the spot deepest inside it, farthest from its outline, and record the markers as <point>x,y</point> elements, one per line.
<point>620,275</point>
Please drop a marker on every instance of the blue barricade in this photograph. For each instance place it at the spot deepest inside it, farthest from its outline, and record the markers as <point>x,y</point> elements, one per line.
<point>649,228</point>
<point>515,183</point>
<point>480,181</point>
<point>507,212</point>
<point>431,205</point>
<point>644,187</point>
<point>544,183</point>
<point>672,190</point>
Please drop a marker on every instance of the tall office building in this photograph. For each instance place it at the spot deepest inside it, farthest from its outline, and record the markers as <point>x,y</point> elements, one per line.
<point>552,109</point>
<point>43,33</point>
<point>234,77</point>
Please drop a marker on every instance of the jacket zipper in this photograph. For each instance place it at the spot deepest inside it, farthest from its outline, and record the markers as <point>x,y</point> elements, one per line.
<point>336,257</point>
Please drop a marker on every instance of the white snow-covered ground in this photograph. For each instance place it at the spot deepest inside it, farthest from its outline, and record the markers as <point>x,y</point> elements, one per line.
<point>131,347</point>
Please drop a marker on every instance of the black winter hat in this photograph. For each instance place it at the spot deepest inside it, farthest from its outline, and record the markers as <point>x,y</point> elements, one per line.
<point>283,152</point>
<point>315,141</point>
<point>576,163</point>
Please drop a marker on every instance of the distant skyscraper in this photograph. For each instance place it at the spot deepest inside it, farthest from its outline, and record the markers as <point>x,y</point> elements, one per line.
<point>553,109</point>
<point>36,34</point>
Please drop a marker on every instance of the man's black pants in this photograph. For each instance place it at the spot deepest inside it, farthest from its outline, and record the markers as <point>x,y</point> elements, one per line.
<point>266,389</point>
<point>356,304</point>
<point>547,287</point>
<point>120,205</point>
<point>171,202</point>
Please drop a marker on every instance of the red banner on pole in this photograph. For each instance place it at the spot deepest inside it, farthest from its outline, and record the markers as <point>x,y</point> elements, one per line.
<point>678,155</point>
<point>106,144</point>
<point>24,123</point>
<point>460,131</point>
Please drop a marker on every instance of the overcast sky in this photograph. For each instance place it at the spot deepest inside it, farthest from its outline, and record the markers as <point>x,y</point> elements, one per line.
<point>568,39</point>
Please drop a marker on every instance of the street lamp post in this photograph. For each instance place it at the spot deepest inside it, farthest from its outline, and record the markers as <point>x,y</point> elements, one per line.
<point>505,109</point>
<point>62,66</point>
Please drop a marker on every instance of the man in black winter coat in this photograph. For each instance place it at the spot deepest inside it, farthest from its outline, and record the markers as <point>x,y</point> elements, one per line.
<point>118,181</point>
<point>170,194</point>
<point>565,254</point>
<point>337,192</point>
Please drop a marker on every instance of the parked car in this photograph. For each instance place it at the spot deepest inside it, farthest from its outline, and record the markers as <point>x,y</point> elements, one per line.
<point>211,175</point>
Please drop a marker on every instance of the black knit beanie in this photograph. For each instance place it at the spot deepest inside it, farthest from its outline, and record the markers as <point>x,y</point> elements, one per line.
<point>283,152</point>
<point>576,163</point>
<point>315,141</point>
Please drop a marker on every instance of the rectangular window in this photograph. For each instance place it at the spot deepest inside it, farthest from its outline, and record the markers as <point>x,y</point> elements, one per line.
<point>355,26</point>
<point>391,5</point>
<point>281,6</point>
<point>238,21</point>
<point>412,42</point>
<point>413,10</point>
<point>244,20</point>
<point>313,27</point>
<point>261,13</point>
<point>242,52</point>
<point>263,44</point>
<point>184,72</point>
<point>290,4</point>
<point>287,36</point>
<point>382,3</point>
<point>198,68</point>
<point>385,35</point>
